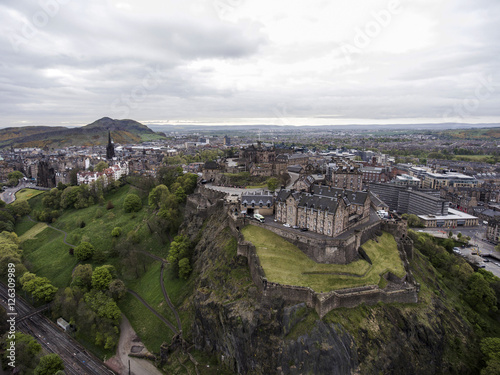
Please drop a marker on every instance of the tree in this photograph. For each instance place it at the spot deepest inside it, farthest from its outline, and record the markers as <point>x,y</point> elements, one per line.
<point>179,249</point>
<point>158,195</point>
<point>450,234</point>
<point>21,208</point>
<point>180,194</point>
<point>101,278</point>
<point>49,365</point>
<point>102,165</point>
<point>116,232</point>
<point>117,289</point>
<point>272,183</point>
<point>84,251</point>
<point>82,276</point>
<point>184,268</point>
<point>39,287</point>
<point>132,203</point>
<point>479,294</point>
<point>14,177</point>
<point>27,352</point>
<point>490,346</point>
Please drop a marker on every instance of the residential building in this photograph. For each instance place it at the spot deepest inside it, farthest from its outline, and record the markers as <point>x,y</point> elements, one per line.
<point>493,230</point>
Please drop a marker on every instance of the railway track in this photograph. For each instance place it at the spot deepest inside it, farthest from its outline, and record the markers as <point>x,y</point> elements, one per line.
<point>77,361</point>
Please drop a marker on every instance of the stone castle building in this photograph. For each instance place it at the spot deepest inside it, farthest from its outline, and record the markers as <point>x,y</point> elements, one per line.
<point>343,173</point>
<point>326,210</point>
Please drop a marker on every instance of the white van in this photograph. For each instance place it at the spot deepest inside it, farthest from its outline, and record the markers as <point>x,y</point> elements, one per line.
<point>259,217</point>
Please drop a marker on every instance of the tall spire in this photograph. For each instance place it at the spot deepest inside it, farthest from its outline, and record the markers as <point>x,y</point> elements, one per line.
<point>110,148</point>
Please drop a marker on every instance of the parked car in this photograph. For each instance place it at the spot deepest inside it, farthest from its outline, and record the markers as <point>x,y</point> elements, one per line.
<point>304,229</point>
<point>295,227</point>
<point>286,225</point>
<point>486,260</point>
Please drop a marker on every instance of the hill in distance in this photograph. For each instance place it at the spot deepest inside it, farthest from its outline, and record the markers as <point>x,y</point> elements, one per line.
<point>96,133</point>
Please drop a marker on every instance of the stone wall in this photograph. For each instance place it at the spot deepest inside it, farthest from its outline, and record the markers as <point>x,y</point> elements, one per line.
<point>325,302</point>
<point>404,290</point>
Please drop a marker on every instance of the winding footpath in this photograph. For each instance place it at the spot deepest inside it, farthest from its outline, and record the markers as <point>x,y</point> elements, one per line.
<point>169,325</point>
<point>59,230</point>
<point>170,304</point>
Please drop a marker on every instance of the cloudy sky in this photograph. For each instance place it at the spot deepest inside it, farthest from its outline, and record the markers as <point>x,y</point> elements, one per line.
<point>69,62</point>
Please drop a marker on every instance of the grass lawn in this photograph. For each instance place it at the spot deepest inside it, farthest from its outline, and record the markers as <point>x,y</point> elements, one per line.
<point>48,255</point>
<point>25,194</point>
<point>23,226</point>
<point>284,263</point>
<point>33,231</point>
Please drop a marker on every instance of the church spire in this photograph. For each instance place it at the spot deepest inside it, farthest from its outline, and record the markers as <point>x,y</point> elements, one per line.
<point>110,148</point>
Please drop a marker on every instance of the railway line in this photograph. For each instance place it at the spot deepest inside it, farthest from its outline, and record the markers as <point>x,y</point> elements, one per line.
<point>77,361</point>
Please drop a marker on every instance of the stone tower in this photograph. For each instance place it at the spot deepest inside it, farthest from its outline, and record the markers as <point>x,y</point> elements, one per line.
<point>110,148</point>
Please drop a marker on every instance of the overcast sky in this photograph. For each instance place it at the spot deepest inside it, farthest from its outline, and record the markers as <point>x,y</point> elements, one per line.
<point>69,62</point>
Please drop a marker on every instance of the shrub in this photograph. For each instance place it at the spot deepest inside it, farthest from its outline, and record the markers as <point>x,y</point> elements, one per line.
<point>116,232</point>
<point>110,205</point>
<point>84,251</point>
<point>132,203</point>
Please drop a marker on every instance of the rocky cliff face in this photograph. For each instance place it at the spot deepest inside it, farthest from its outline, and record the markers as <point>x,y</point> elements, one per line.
<point>251,337</point>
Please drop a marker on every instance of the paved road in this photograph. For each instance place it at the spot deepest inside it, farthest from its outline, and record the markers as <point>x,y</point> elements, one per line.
<point>9,195</point>
<point>77,361</point>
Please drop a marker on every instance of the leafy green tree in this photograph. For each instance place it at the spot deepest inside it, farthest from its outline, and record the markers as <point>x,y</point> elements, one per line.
<point>39,287</point>
<point>21,208</point>
<point>52,199</point>
<point>101,278</point>
<point>103,305</point>
<point>180,194</point>
<point>82,276</point>
<point>84,251</point>
<point>49,365</point>
<point>117,289</point>
<point>413,220</point>
<point>179,249</point>
<point>27,352</point>
<point>184,268</point>
<point>158,195</point>
<point>132,203</point>
<point>14,177</point>
<point>272,183</point>
<point>10,253</point>
<point>69,196</point>
<point>102,165</point>
<point>490,346</point>
<point>479,294</point>
<point>116,232</point>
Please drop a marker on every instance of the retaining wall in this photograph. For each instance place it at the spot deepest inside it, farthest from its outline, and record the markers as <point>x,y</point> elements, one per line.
<point>325,302</point>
